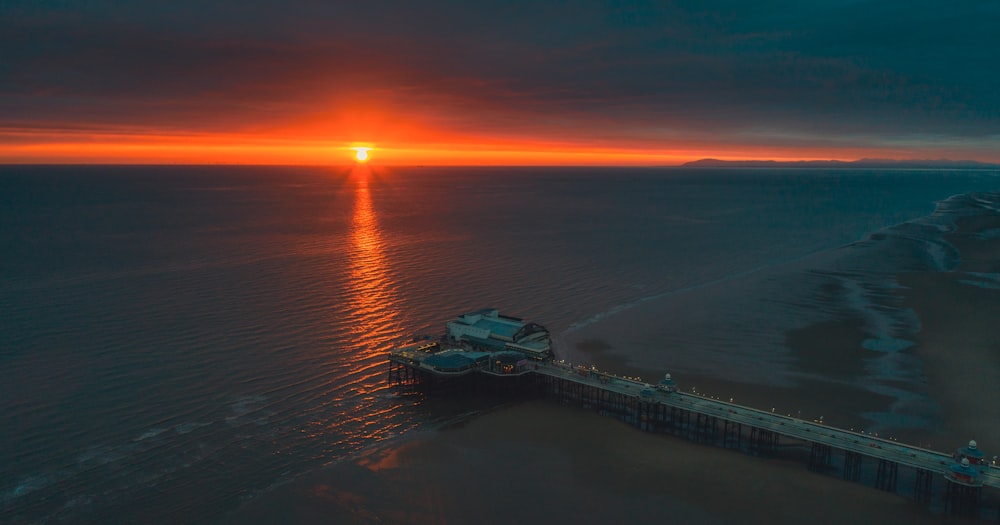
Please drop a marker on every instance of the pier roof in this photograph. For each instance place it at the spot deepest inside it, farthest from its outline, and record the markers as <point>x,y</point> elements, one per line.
<point>454,361</point>
<point>499,327</point>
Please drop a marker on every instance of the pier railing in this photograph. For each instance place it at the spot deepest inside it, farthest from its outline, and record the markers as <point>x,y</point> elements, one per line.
<point>887,451</point>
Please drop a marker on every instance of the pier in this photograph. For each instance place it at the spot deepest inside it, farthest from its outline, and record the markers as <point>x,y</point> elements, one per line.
<point>716,422</point>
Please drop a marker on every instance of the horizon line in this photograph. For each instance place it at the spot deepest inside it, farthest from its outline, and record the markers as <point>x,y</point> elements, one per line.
<point>725,164</point>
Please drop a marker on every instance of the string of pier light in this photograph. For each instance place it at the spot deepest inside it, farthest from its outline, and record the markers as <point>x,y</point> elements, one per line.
<point>694,391</point>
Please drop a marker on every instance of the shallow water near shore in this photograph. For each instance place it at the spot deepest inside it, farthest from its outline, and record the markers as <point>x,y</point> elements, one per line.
<point>178,340</point>
<point>544,462</point>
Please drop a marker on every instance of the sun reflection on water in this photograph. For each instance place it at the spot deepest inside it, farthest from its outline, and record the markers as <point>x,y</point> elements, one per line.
<point>374,311</point>
<point>365,411</point>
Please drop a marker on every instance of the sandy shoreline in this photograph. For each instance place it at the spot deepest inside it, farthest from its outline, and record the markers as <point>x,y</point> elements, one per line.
<point>958,345</point>
<point>839,403</point>
<point>959,341</point>
<point>541,462</point>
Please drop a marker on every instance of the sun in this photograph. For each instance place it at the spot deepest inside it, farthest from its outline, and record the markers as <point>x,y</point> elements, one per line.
<point>361,154</point>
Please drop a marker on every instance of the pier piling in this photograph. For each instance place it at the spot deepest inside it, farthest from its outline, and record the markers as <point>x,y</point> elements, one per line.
<point>732,435</point>
<point>852,466</point>
<point>962,500</point>
<point>888,472</point>
<point>923,485</point>
<point>763,441</point>
<point>819,457</point>
<point>663,408</point>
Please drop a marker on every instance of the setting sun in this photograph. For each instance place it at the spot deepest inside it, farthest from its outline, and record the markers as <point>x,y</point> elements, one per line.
<point>361,154</point>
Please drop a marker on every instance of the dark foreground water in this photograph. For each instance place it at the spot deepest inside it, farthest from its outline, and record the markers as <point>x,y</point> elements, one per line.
<point>175,340</point>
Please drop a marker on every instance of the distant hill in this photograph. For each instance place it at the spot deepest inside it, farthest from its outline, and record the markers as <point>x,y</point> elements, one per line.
<point>863,163</point>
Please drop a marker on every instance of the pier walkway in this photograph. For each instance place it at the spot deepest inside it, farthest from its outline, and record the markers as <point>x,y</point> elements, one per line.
<point>645,401</point>
<point>810,431</point>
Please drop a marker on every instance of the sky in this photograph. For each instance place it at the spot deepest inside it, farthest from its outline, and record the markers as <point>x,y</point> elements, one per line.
<point>497,82</point>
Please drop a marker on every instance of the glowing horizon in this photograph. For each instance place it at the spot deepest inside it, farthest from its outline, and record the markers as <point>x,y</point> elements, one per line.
<point>485,85</point>
<point>96,148</point>
<point>405,142</point>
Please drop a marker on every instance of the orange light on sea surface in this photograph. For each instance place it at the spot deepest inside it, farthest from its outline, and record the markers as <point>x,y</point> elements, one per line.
<point>372,297</point>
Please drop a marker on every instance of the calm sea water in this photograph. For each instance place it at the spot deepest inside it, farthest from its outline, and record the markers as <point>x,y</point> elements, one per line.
<point>174,340</point>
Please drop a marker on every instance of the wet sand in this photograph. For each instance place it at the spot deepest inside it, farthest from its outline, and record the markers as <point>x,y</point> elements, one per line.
<point>823,389</point>
<point>541,462</point>
<point>959,340</point>
<point>813,371</point>
<point>960,346</point>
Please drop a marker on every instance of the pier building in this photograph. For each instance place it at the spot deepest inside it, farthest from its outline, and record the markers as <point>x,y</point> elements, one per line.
<point>488,329</point>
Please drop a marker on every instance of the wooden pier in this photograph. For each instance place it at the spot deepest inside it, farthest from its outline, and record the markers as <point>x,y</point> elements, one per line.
<point>729,425</point>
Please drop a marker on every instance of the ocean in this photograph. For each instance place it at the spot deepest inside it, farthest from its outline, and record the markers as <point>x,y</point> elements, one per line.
<point>176,340</point>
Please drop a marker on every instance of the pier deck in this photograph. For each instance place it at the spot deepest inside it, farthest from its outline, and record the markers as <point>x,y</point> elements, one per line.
<point>808,431</point>
<point>805,430</point>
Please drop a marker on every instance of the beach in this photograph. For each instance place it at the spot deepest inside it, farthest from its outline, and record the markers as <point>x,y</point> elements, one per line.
<point>959,341</point>
<point>542,462</point>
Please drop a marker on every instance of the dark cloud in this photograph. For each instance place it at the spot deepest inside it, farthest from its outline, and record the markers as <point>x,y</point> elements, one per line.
<point>825,72</point>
